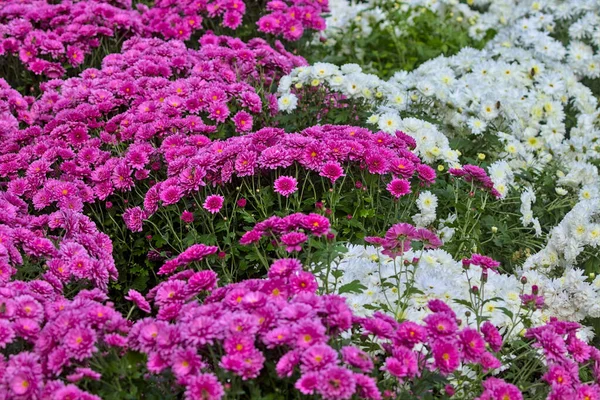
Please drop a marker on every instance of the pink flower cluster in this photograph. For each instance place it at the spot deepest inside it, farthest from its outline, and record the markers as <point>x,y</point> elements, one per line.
<point>398,239</point>
<point>246,320</point>
<point>14,108</point>
<point>194,253</point>
<point>153,92</point>
<point>477,176</point>
<point>290,18</point>
<point>45,34</point>
<point>193,163</point>
<point>565,355</point>
<point>289,232</point>
<point>64,334</point>
<point>83,253</point>
<point>180,19</point>
<point>446,346</point>
<point>484,262</point>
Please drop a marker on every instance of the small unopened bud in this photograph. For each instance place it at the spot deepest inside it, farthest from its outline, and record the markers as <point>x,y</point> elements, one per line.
<point>468,313</point>
<point>534,289</point>
<point>474,290</point>
<point>523,280</point>
<point>494,229</point>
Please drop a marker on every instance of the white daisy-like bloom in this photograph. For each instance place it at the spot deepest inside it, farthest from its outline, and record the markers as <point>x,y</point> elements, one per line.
<point>287,103</point>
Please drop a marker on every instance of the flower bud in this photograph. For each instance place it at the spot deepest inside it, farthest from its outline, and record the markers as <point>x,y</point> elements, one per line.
<point>474,290</point>
<point>494,229</point>
<point>523,280</point>
<point>534,289</point>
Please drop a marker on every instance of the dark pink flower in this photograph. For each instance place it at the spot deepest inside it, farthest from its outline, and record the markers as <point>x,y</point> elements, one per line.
<point>286,185</point>
<point>398,187</point>
<point>213,203</point>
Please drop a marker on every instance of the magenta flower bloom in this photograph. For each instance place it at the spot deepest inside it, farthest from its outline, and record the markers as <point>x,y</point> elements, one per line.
<point>440,325</point>
<point>134,218</point>
<point>403,167</point>
<point>80,342</point>
<point>398,239</point>
<point>187,217</point>
<point>318,357</point>
<point>491,336</point>
<point>446,356</point>
<point>495,388</point>
<point>243,121</point>
<point>332,170</point>
<point>286,185</point>
<point>138,299</point>
<point>357,358</point>
<point>409,334</point>
<point>426,174</point>
<point>398,187</point>
<point>489,362</point>
<point>185,362</point>
<point>293,241</point>
<point>366,387</point>
<point>317,224</point>
<point>484,262</point>
<point>196,252</point>
<point>303,282</point>
<point>336,383</point>
<point>213,203</point>
<point>204,386</point>
<point>403,364</point>
<point>7,334</point>
<point>472,344</point>
<point>307,384</point>
<point>284,268</point>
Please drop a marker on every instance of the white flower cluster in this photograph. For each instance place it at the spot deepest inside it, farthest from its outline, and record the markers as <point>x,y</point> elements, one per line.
<point>519,99</point>
<point>502,176</point>
<point>384,98</point>
<point>436,275</point>
<point>527,200</point>
<point>578,229</point>
<point>427,204</point>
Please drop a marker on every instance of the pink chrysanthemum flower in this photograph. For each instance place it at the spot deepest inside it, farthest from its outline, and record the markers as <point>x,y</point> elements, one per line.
<point>446,356</point>
<point>213,203</point>
<point>286,185</point>
<point>293,241</point>
<point>187,217</point>
<point>138,299</point>
<point>204,386</point>
<point>243,121</point>
<point>398,187</point>
<point>332,170</point>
